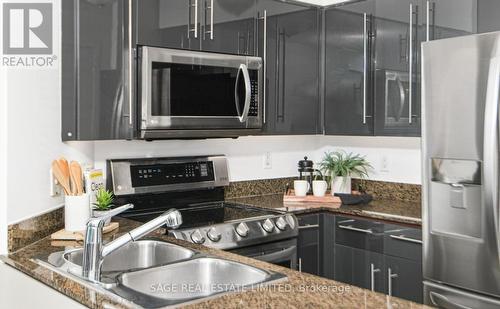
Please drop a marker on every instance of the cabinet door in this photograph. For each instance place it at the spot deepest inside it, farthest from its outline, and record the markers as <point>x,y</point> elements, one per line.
<point>348,70</point>
<point>327,241</point>
<point>404,278</point>
<point>487,15</point>
<point>359,267</point>
<point>450,18</point>
<point>308,244</point>
<point>292,104</point>
<point>229,26</point>
<point>397,73</point>
<point>169,23</point>
<point>94,84</point>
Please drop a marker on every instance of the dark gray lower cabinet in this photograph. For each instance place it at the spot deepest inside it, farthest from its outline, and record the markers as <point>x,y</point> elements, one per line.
<point>359,267</point>
<point>308,244</point>
<point>404,278</point>
<point>327,248</point>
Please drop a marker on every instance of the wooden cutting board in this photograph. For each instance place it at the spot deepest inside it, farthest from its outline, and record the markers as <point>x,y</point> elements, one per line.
<point>328,198</point>
<point>65,235</point>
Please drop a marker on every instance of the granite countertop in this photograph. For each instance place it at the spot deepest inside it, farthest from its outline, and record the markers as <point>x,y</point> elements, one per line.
<point>299,291</point>
<point>389,210</point>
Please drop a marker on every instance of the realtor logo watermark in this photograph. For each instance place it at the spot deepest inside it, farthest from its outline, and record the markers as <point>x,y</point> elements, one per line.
<point>27,35</point>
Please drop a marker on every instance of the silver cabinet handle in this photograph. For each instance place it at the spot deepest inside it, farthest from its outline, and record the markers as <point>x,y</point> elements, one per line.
<point>264,58</point>
<point>410,64</point>
<point>430,8</point>
<point>300,265</point>
<point>351,228</point>
<point>309,226</point>
<point>365,63</point>
<point>130,65</point>
<point>211,8</point>
<point>373,270</point>
<point>248,92</point>
<point>403,238</point>
<point>390,276</point>
<point>192,6</point>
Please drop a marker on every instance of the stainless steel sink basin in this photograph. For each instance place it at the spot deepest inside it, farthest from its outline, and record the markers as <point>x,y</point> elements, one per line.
<point>196,278</point>
<point>136,255</point>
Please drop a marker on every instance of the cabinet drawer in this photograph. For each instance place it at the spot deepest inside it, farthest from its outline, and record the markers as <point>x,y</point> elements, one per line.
<point>308,229</point>
<point>306,220</point>
<point>358,233</point>
<point>403,242</point>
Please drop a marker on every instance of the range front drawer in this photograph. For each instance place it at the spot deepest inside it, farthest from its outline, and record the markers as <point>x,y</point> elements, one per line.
<point>403,242</point>
<point>359,233</point>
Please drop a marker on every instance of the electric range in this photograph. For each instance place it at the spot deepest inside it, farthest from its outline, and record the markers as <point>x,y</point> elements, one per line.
<point>195,186</point>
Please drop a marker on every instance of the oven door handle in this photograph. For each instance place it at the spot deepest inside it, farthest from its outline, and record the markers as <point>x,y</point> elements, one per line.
<point>243,116</point>
<point>276,256</point>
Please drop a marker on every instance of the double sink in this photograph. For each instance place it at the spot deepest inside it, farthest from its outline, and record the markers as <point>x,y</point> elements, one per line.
<point>153,273</point>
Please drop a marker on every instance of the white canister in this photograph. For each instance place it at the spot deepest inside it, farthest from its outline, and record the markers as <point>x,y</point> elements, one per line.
<point>76,212</point>
<point>341,185</point>
<point>319,188</point>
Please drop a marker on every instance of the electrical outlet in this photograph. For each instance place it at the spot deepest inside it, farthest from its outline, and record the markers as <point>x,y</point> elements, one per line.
<point>54,187</point>
<point>268,161</point>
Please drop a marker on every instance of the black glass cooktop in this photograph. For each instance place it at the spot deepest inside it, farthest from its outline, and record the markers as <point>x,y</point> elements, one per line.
<point>209,213</point>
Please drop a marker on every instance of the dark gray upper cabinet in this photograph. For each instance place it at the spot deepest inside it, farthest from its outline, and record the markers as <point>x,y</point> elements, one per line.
<point>292,60</point>
<point>225,26</point>
<point>397,38</point>
<point>348,106</point>
<point>95,63</point>
<point>487,15</point>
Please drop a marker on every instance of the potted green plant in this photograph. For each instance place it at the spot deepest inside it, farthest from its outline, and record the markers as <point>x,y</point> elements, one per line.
<point>103,203</point>
<point>340,166</point>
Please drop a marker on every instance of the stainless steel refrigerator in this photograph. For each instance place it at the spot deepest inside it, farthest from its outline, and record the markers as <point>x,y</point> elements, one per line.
<point>460,140</point>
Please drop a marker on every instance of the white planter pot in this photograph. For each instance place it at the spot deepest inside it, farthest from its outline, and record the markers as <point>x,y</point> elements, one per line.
<point>341,185</point>
<point>100,213</point>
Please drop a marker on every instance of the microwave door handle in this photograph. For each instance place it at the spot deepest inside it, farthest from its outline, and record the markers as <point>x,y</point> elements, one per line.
<point>243,116</point>
<point>402,97</point>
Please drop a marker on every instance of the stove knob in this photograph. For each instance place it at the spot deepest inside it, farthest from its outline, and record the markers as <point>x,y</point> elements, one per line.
<point>290,220</point>
<point>268,226</point>
<point>242,229</point>
<point>281,223</point>
<point>197,238</point>
<point>213,235</point>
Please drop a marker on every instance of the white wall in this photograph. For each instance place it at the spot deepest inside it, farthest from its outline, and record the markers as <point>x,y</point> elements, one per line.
<point>33,134</point>
<point>394,159</point>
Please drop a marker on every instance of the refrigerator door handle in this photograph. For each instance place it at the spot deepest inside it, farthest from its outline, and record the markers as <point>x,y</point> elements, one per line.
<point>442,301</point>
<point>490,144</point>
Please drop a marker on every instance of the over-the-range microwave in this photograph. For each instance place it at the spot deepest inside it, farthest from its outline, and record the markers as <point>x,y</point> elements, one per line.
<point>190,94</point>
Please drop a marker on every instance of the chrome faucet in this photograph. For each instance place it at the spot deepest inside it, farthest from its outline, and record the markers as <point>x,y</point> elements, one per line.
<point>94,251</point>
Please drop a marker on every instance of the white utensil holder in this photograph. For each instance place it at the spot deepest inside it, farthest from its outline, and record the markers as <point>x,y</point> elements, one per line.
<point>76,212</point>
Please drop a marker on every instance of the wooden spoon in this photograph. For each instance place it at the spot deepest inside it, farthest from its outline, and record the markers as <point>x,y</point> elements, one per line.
<point>76,177</point>
<point>64,166</point>
<point>61,177</point>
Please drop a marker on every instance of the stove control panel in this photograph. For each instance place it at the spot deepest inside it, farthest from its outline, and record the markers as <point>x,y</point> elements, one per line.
<point>160,175</point>
<point>243,233</point>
